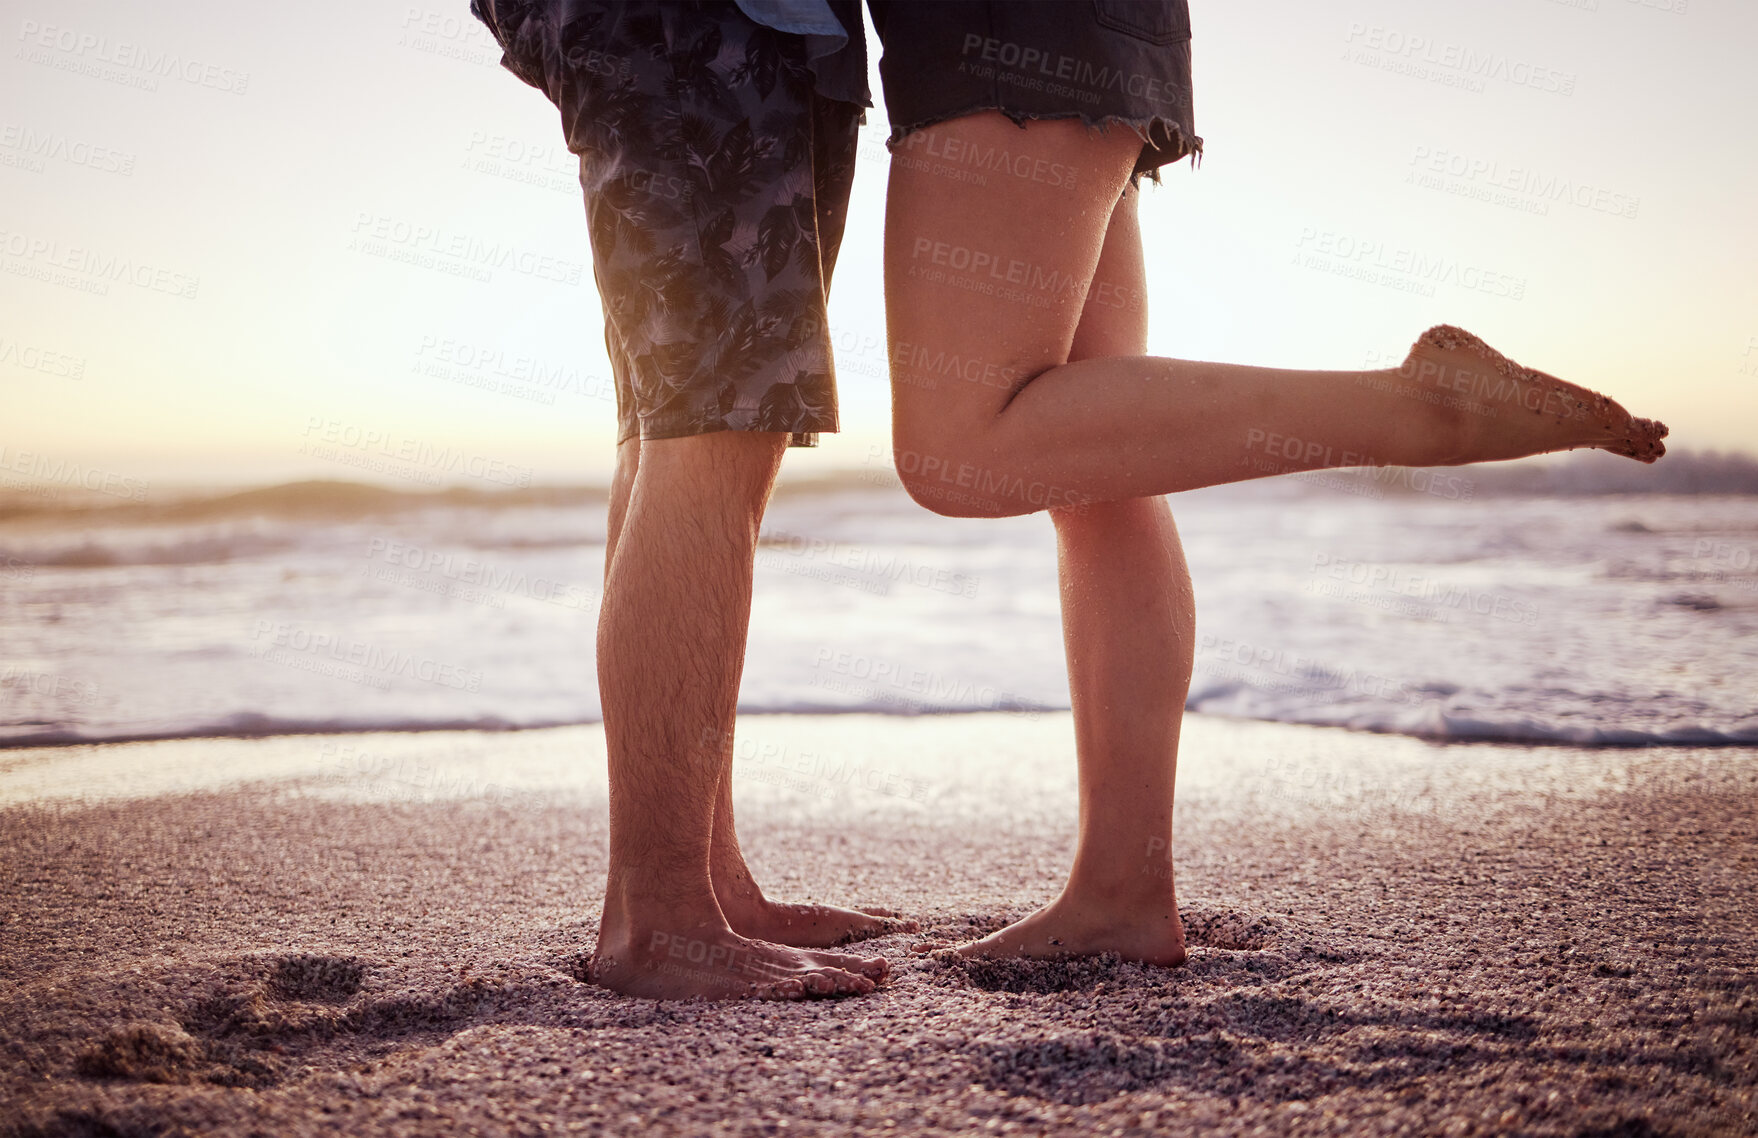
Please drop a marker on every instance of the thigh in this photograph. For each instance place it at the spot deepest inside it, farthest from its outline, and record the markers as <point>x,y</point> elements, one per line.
<point>986,282</point>
<point>1114,321</point>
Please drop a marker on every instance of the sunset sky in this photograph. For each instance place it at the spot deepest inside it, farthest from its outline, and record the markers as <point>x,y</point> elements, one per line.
<point>225,232</point>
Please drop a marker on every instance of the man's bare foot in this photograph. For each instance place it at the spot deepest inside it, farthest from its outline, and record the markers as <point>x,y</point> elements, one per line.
<point>801,925</point>
<point>1504,410</point>
<point>812,926</point>
<point>1149,932</point>
<point>715,963</point>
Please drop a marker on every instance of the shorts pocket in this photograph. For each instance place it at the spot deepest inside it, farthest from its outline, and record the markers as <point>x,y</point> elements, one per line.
<point>1156,21</point>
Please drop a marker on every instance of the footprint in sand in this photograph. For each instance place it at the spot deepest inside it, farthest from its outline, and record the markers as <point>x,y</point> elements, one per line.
<point>325,979</point>
<point>1235,930</point>
<point>145,1053</point>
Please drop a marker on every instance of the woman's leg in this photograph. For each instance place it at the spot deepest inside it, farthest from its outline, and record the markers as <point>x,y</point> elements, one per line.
<point>1128,624</point>
<point>986,283</point>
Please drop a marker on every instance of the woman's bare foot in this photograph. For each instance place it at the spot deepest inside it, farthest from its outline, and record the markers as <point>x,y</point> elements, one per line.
<point>1504,410</point>
<point>1146,931</point>
<point>715,963</point>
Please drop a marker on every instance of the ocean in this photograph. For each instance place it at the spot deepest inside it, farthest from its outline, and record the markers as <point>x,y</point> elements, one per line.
<point>1564,604</point>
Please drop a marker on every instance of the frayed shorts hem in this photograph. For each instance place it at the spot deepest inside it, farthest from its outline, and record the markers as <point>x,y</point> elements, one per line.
<point>1163,139</point>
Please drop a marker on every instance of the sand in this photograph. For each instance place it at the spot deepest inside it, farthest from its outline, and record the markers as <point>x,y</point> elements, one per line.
<point>360,935</point>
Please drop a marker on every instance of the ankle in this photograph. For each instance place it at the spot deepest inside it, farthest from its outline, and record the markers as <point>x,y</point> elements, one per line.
<point>637,903</point>
<point>740,898</point>
<point>732,878</point>
<point>1147,884</point>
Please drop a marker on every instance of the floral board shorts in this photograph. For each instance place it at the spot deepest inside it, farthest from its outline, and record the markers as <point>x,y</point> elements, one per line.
<point>717,173</point>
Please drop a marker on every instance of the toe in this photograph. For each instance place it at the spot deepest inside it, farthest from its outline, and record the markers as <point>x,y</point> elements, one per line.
<point>779,990</point>
<point>847,983</point>
<point>873,967</point>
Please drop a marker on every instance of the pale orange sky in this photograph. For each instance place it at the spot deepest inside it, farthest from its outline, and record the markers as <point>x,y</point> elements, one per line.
<point>183,292</point>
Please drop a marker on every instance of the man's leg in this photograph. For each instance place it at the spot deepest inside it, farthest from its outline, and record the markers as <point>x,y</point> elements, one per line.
<point>671,641</point>
<point>1128,626</point>
<point>995,277</point>
<point>806,925</point>
<point>742,902</point>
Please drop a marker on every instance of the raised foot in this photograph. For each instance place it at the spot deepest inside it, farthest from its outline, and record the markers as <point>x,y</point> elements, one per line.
<point>1150,933</point>
<point>812,926</point>
<point>1504,410</point>
<point>719,964</point>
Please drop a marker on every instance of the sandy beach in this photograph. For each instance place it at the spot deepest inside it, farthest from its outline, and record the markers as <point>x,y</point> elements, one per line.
<point>384,934</point>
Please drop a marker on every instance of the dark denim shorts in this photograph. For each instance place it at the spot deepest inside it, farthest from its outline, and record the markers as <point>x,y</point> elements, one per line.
<point>717,179</point>
<point>1102,61</point>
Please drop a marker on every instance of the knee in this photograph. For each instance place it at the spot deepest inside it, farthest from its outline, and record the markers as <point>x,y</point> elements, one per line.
<point>622,481</point>
<point>734,469</point>
<point>1113,520</point>
<point>947,480</point>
